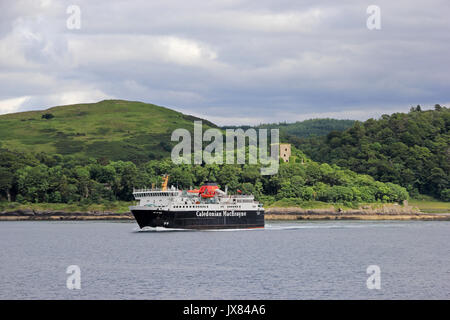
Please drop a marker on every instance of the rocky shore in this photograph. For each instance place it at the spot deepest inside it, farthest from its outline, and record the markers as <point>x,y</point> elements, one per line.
<point>383,212</point>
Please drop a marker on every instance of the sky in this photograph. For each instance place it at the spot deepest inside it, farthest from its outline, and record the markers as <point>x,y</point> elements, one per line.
<point>232,62</point>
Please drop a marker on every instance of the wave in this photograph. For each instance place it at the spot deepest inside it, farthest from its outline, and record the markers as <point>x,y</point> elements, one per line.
<point>281,227</point>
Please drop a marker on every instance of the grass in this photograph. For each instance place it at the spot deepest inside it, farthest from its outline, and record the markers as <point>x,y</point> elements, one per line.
<point>428,204</point>
<point>115,129</point>
<point>425,204</point>
<point>298,203</point>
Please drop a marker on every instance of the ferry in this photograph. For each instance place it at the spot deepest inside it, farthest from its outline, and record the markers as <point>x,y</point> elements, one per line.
<point>204,208</point>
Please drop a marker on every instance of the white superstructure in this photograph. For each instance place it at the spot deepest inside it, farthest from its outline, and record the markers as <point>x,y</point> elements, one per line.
<point>178,200</point>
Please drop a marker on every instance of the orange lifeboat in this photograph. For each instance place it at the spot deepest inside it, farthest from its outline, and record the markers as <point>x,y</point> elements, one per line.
<point>208,190</point>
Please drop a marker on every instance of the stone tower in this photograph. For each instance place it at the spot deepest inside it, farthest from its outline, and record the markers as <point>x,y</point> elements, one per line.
<point>285,151</point>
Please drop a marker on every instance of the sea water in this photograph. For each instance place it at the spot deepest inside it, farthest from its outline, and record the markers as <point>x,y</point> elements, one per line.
<point>286,260</point>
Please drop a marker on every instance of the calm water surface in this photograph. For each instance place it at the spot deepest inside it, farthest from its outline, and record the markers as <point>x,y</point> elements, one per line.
<point>295,260</point>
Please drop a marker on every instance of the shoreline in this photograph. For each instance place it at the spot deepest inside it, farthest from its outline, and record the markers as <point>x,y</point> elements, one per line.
<point>49,215</point>
<point>368,217</point>
<point>366,212</point>
<point>282,214</point>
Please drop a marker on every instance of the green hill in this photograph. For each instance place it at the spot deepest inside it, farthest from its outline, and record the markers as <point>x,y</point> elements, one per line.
<point>111,129</point>
<point>303,129</point>
<point>411,149</point>
<point>311,127</point>
<point>135,138</point>
<point>296,132</point>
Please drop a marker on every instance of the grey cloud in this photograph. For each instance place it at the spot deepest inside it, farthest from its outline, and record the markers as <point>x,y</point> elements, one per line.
<point>231,61</point>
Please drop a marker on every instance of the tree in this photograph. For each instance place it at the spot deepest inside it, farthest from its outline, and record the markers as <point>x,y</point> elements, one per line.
<point>407,149</point>
<point>6,181</point>
<point>47,116</point>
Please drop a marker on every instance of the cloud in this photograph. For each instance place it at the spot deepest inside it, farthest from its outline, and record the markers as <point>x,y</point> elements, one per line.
<point>79,96</point>
<point>228,61</point>
<point>12,105</point>
<point>107,49</point>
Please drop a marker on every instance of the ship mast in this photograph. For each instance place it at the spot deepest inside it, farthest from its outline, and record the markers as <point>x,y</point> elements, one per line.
<point>165,181</point>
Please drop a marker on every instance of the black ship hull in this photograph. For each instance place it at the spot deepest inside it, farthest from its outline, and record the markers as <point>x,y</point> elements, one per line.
<point>198,219</point>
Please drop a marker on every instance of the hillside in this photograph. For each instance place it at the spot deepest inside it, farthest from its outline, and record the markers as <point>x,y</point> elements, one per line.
<point>43,159</point>
<point>44,156</point>
<point>411,149</point>
<point>311,127</point>
<point>111,129</point>
<point>292,132</point>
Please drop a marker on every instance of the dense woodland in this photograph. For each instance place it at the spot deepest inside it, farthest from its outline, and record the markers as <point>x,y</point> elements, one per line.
<point>412,150</point>
<point>67,179</point>
<point>302,129</point>
<point>310,128</point>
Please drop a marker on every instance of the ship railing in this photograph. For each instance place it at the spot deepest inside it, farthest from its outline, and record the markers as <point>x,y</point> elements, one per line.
<point>151,190</point>
<point>241,196</point>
